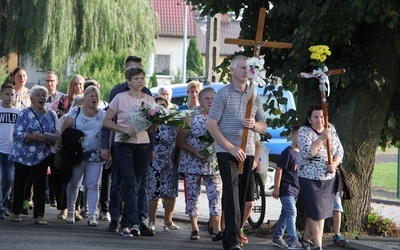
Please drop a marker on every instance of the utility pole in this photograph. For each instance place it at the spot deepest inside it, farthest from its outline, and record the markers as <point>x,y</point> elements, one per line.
<point>213,46</point>
<point>184,43</point>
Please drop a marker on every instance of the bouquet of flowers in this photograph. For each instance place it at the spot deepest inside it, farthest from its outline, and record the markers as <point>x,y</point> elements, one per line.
<point>209,150</point>
<point>208,140</point>
<point>319,53</point>
<point>145,116</point>
<point>255,70</point>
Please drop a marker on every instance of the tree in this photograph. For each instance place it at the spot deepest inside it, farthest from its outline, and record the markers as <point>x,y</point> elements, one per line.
<point>364,39</point>
<point>193,59</point>
<point>52,31</point>
<point>153,80</point>
<point>105,67</point>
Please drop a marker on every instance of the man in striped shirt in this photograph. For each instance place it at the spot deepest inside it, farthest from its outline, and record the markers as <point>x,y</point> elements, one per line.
<point>225,123</point>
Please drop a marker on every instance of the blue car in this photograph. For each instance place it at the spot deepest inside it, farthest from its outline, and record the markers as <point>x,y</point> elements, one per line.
<point>272,148</point>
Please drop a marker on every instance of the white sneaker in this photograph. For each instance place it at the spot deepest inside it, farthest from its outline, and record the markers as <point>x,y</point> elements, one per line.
<point>70,218</point>
<point>91,221</point>
<point>105,216</point>
<point>152,226</point>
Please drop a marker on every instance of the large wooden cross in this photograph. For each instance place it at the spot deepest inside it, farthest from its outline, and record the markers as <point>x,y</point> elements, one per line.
<point>256,44</point>
<point>324,94</point>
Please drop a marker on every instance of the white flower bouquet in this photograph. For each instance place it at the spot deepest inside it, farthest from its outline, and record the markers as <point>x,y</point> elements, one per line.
<point>145,116</point>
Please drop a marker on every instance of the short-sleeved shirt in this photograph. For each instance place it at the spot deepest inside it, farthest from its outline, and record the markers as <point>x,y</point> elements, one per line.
<point>122,105</point>
<point>290,180</point>
<point>51,100</point>
<point>31,153</point>
<point>8,118</point>
<point>229,110</point>
<point>91,126</point>
<point>22,99</point>
<point>314,167</point>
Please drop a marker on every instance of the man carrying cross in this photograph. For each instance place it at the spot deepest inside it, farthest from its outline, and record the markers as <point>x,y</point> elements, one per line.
<point>235,115</point>
<point>225,124</point>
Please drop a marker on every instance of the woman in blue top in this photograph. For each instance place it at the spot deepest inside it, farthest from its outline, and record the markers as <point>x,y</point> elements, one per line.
<point>31,152</point>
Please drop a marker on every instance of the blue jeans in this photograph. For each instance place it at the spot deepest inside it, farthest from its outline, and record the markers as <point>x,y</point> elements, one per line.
<point>6,178</point>
<point>287,219</point>
<point>114,206</point>
<point>132,162</point>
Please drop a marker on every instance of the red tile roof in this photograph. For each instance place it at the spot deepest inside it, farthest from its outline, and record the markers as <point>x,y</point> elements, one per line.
<point>170,18</point>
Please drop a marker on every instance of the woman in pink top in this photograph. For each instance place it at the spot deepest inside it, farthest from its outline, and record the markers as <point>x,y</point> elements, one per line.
<point>131,156</point>
<point>75,88</point>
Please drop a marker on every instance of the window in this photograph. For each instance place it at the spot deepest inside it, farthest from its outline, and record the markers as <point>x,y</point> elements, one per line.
<point>163,65</point>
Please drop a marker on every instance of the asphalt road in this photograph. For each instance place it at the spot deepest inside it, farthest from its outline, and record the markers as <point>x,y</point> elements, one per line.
<point>59,235</point>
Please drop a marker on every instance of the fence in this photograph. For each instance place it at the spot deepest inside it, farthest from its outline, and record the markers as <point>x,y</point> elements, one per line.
<point>385,176</point>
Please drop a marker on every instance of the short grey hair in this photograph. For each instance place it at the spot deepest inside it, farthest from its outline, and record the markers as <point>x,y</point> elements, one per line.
<point>165,88</point>
<point>205,91</point>
<point>237,58</point>
<point>36,89</point>
<point>78,98</point>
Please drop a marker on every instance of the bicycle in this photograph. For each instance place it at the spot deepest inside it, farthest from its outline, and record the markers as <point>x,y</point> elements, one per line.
<point>256,218</point>
<point>257,215</point>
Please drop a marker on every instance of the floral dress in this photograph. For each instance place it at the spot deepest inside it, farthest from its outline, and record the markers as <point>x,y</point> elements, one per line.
<point>162,174</point>
<point>189,164</point>
<point>22,99</point>
<point>62,105</point>
<point>196,170</point>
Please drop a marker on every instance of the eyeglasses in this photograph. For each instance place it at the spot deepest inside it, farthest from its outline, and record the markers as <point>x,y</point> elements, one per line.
<point>50,80</point>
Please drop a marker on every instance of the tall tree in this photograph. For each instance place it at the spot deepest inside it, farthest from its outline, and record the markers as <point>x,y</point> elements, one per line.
<point>364,39</point>
<point>52,31</point>
<point>193,58</point>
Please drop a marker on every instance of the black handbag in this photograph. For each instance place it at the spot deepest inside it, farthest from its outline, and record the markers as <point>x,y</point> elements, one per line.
<point>70,154</point>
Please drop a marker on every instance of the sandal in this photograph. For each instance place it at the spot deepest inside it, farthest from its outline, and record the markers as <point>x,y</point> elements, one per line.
<point>217,237</point>
<point>195,235</point>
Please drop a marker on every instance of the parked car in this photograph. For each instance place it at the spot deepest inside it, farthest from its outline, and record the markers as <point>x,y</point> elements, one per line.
<point>272,148</point>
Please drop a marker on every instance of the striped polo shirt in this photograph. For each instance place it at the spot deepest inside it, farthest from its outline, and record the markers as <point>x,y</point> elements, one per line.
<point>229,110</point>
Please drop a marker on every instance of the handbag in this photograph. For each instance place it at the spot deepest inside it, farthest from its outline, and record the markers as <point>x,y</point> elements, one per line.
<point>62,153</point>
<point>347,192</point>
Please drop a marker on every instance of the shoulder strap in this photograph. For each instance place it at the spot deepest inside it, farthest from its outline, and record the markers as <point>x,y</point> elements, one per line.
<point>77,113</point>
<point>37,118</point>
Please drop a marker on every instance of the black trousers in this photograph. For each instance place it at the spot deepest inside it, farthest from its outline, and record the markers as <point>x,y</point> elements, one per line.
<point>22,173</point>
<point>105,189</point>
<point>234,188</point>
<point>58,182</point>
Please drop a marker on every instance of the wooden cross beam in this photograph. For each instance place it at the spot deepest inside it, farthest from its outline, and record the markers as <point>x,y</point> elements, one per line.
<point>322,89</point>
<point>258,43</point>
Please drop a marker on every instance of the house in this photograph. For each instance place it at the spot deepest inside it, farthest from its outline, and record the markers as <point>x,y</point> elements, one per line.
<point>167,62</point>
<point>168,58</point>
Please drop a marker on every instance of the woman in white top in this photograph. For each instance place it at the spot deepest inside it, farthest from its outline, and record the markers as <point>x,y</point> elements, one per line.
<point>89,120</point>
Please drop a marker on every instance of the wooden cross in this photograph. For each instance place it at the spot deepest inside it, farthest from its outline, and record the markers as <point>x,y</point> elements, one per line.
<point>324,95</point>
<point>257,44</point>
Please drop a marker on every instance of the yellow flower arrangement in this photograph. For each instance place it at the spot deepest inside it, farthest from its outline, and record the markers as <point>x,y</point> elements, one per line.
<point>319,53</point>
